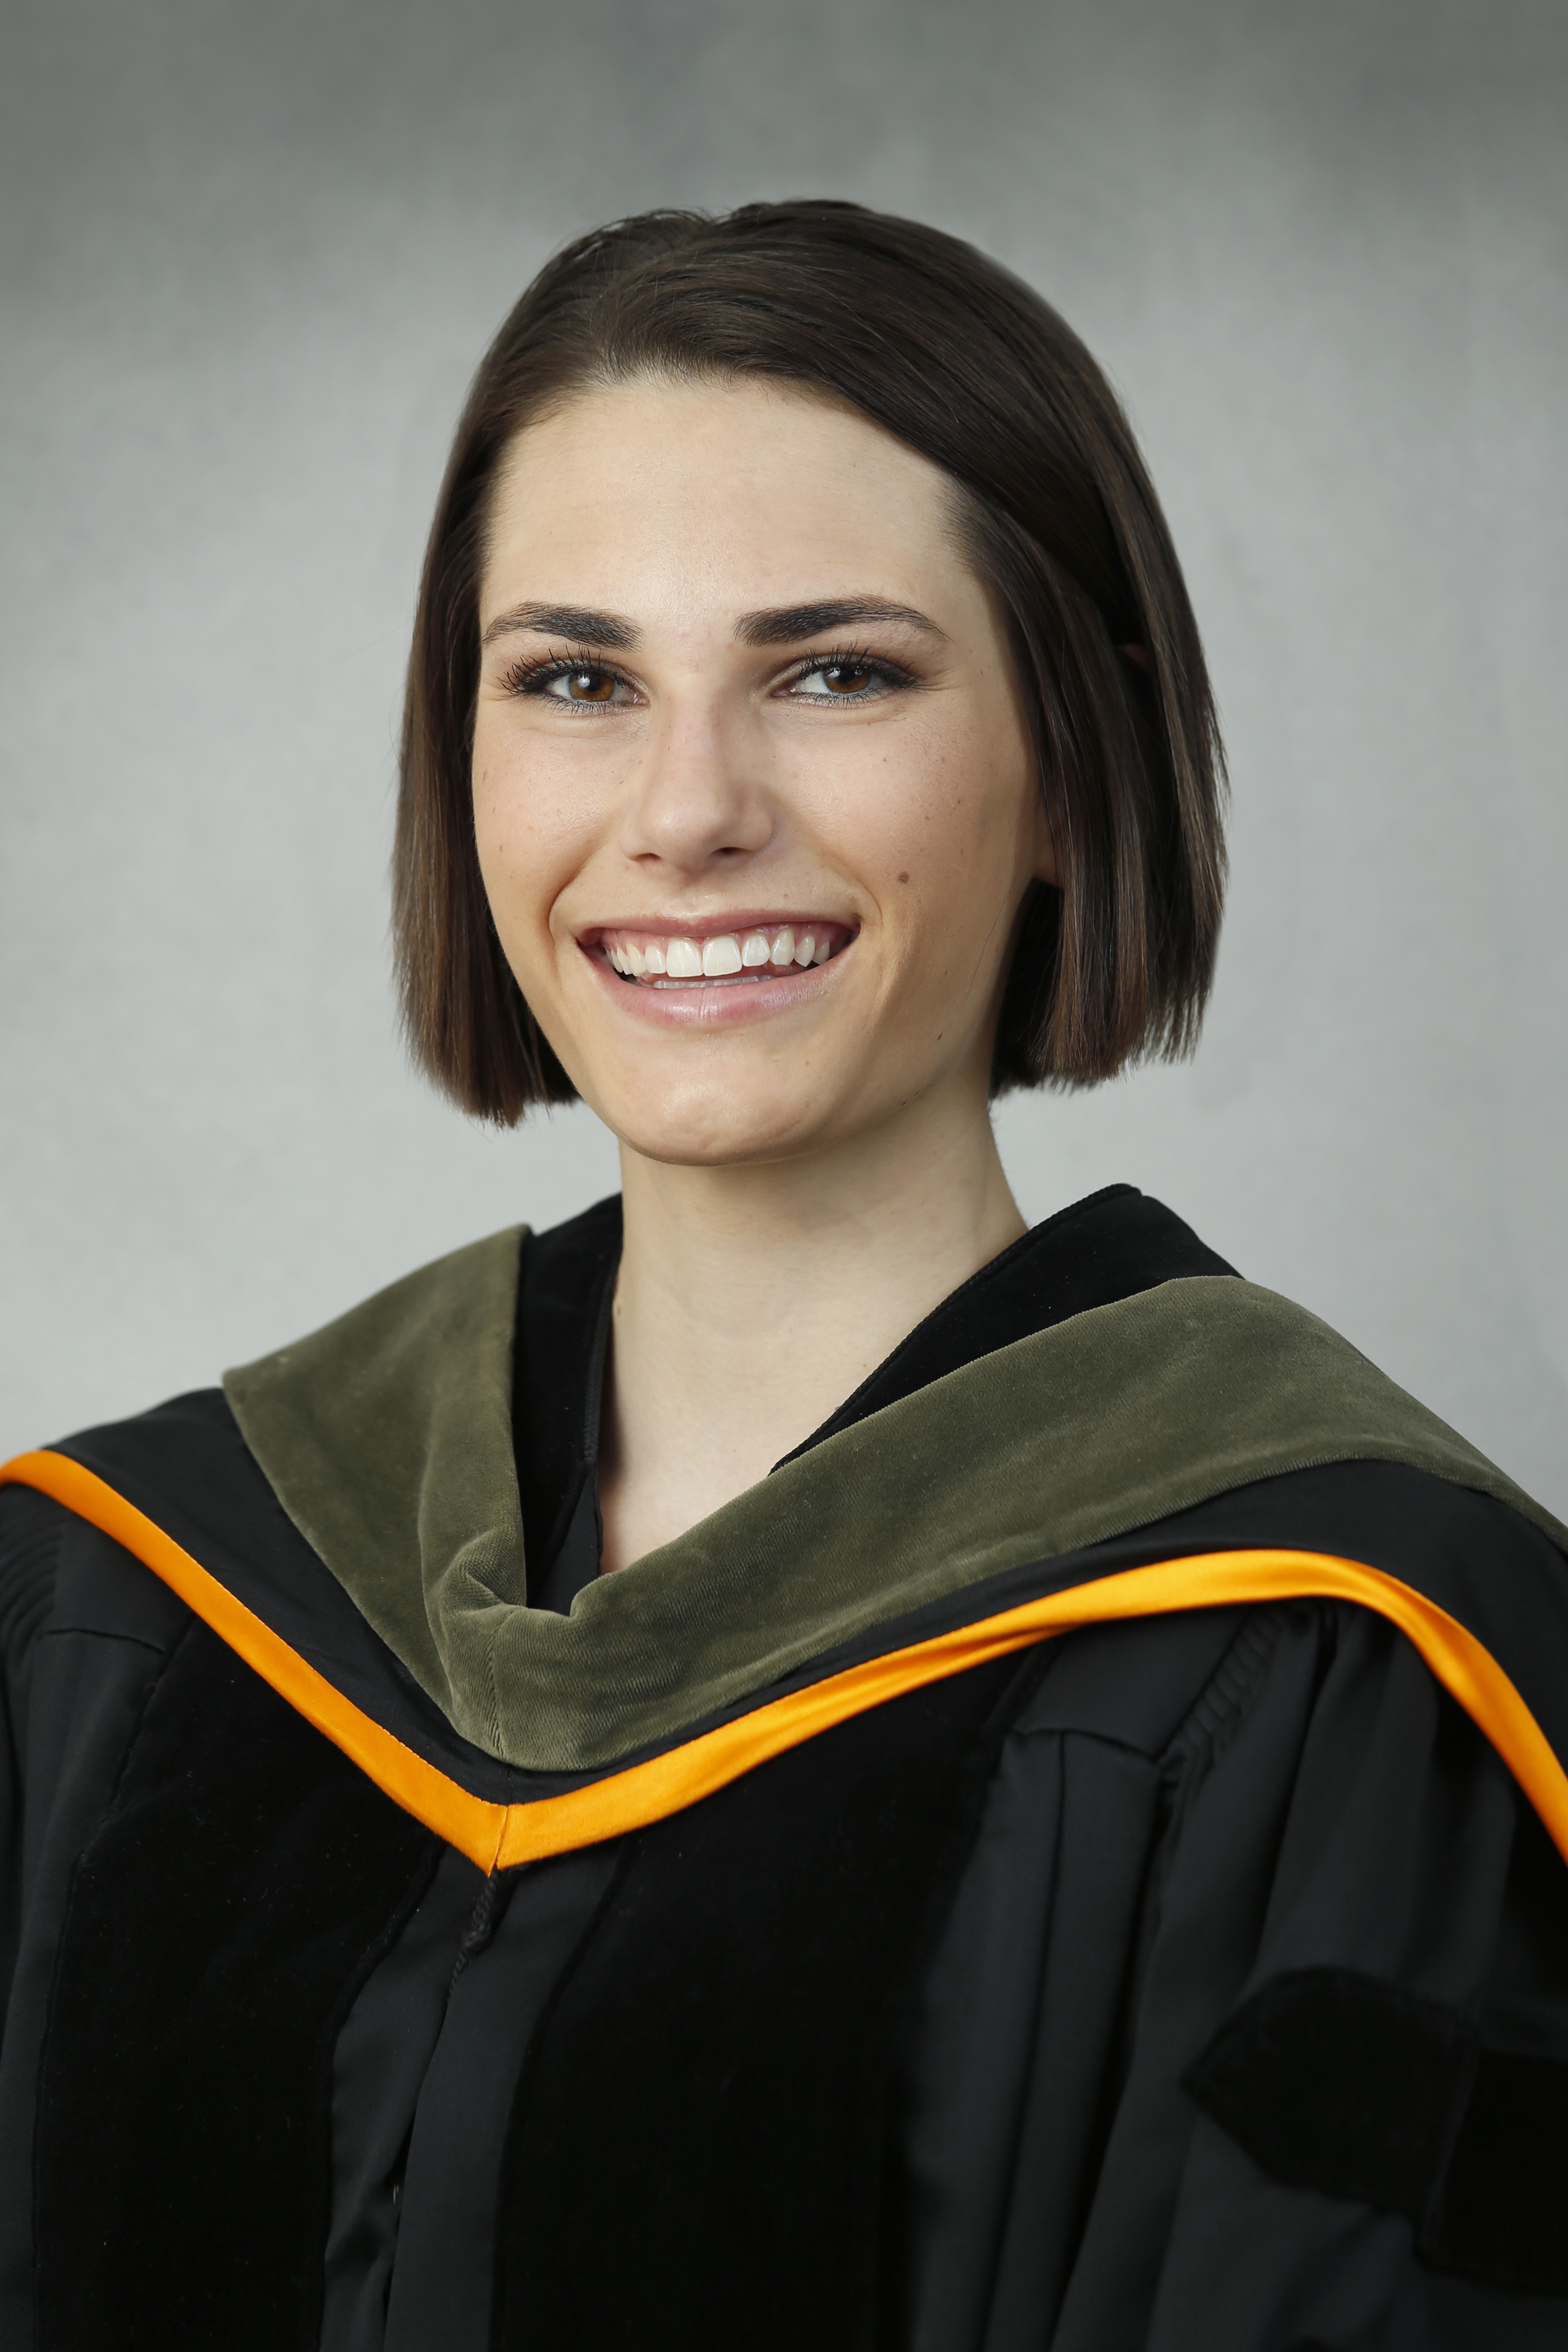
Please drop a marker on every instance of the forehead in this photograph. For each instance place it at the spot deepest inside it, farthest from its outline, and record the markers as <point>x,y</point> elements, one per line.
<point>744,491</point>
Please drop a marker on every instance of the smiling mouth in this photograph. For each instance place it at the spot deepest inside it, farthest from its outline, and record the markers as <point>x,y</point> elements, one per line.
<point>722,959</point>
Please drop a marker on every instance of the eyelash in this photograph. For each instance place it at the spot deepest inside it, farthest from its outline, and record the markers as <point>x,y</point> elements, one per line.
<point>887,676</point>
<point>535,672</point>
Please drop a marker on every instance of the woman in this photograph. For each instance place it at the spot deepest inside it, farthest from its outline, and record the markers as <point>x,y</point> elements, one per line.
<point>791,1763</point>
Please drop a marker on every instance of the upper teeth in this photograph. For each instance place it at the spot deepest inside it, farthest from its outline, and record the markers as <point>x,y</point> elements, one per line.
<point>724,955</point>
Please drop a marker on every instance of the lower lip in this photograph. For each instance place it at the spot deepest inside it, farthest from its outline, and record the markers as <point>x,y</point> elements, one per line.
<point>716,1003</point>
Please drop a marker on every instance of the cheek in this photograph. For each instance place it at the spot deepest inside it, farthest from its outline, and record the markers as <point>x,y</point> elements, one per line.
<point>503,858</point>
<point>526,844</point>
<point>947,825</point>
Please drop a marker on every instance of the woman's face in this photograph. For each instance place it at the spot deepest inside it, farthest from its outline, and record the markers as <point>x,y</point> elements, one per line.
<point>755,798</point>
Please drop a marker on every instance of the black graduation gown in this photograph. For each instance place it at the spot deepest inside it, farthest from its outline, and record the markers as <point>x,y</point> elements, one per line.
<point>1091,1877</point>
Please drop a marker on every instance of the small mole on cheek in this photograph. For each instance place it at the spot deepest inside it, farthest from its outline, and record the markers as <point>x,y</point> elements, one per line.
<point>903,878</point>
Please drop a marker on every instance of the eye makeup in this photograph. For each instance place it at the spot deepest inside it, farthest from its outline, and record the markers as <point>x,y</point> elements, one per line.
<point>850,675</point>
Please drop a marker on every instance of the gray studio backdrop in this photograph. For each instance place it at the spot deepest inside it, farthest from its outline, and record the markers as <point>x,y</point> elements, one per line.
<point>250,255</point>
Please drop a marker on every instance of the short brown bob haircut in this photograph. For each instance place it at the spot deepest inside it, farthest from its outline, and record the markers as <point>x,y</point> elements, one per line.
<point>969,368</point>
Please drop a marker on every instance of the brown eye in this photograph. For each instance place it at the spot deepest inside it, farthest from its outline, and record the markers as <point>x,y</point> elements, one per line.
<point>588,685</point>
<point>847,677</point>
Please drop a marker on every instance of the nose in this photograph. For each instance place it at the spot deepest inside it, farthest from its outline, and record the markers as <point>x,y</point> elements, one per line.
<point>697,798</point>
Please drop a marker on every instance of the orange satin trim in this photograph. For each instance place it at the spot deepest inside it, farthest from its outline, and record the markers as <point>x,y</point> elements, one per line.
<point>499,1836</point>
<point>467,1822</point>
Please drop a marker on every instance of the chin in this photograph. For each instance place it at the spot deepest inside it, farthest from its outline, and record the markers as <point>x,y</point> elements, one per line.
<point>720,1133</point>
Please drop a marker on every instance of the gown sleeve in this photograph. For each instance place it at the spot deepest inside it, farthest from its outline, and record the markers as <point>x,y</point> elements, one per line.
<point>30,1533</point>
<point>1204,2056</point>
<point>84,1633</point>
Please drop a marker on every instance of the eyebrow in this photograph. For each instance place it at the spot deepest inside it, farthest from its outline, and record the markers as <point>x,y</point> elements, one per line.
<point>782,625</point>
<point>611,629</point>
<point>786,625</point>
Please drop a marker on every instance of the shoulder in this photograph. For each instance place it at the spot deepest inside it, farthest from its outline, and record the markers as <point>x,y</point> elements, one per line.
<point>33,1526</point>
<point>331,1437</point>
<point>1207,1383</point>
<point>105,1533</point>
<point>61,1575</point>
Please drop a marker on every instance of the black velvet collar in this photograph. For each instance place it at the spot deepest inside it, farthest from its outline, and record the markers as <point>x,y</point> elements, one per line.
<point>1110,1246</point>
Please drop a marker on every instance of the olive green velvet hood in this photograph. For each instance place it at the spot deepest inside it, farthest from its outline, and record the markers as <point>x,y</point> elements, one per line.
<point>387,1437</point>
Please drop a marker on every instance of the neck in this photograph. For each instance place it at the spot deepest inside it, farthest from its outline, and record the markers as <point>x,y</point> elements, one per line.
<point>753,1300</point>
